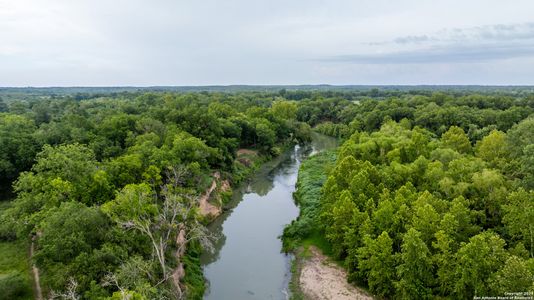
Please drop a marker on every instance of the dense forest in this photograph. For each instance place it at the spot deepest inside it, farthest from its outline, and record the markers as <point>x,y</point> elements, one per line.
<point>429,196</point>
<point>107,188</point>
<point>431,193</point>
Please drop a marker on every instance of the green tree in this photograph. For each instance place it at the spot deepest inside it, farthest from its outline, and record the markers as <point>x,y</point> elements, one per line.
<point>339,222</point>
<point>265,135</point>
<point>513,276</point>
<point>426,221</point>
<point>458,222</point>
<point>444,261</point>
<point>126,169</point>
<point>187,149</point>
<point>284,109</point>
<point>67,232</point>
<point>75,165</point>
<point>477,261</point>
<point>18,146</point>
<point>527,166</point>
<point>415,269</point>
<point>455,138</point>
<point>519,217</point>
<point>520,136</point>
<point>377,263</point>
<point>493,148</point>
<point>3,106</point>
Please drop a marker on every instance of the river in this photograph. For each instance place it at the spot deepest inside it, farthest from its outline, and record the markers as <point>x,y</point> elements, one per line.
<point>247,262</point>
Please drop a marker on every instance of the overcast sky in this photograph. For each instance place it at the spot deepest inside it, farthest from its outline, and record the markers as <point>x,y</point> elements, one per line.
<point>197,42</point>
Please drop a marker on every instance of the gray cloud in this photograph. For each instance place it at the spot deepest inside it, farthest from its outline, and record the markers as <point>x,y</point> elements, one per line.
<point>412,39</point>
<point>485,43</point>
<point>486,33</point>
<point>452,54</point>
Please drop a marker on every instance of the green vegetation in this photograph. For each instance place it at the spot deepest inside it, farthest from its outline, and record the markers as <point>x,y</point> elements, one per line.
<point>109,186</point>
<point>312,175</point>
<point>15,278</point>
<point>430,196</point>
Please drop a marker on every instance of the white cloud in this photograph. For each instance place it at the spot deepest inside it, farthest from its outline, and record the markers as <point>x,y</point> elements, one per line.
<point>186,42</point>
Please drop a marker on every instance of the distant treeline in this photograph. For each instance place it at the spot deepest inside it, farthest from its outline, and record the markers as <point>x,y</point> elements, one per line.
<point>291,92</point>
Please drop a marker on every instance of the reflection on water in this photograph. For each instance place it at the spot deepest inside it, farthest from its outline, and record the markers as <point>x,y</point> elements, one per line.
<point>247,262</point>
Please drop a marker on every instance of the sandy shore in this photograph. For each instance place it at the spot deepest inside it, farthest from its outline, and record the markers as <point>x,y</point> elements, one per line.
<point>321,279</point>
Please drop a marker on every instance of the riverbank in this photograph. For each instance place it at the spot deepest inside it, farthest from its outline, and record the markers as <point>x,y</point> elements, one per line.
<point>248,231</point>
<point>211,205</point>
<point>311,176</point>
<point>316,277</point>
<point>314,274</point>
<point>219,193</point>
<point>250,228</point>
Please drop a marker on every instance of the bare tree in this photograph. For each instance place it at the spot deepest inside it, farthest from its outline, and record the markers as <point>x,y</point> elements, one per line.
<point>111,280</point>
<point>68,294</point>
<point>168,220</point>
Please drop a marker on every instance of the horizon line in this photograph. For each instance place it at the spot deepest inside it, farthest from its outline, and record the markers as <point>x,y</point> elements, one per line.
<point>266,85</point>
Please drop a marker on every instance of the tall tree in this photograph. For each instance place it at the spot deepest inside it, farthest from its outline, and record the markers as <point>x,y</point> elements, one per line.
<point>377,264</point>
<point>515,275</point>
<point>455,138</point>
<point>415,269</point>
<point>477,261</point>
<point>519,217</point>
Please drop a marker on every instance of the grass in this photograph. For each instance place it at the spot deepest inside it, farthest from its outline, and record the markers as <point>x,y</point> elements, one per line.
<point>15,269</point>
<point>294,287</point>
<point>14,264</point>
<point>305,232</point>
<point>13,257</point>
<point>318,240</point>
<point>311,177</point>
